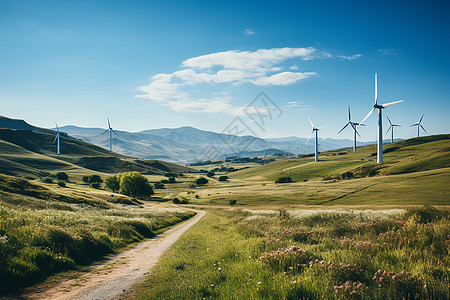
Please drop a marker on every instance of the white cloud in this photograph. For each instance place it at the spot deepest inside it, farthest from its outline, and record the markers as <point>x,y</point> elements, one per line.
<point>350,57</point>
<point>385,51</point>
<point>249,31</point>
<point>231,68</point>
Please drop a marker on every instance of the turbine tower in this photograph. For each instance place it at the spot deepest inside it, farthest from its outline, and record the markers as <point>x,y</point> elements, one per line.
<point>380,121</point>
<point>57,139</point>
<point>354,125</point>
<point>419,125</point>
<point>316,131</point>
<point>391,128</point>
<point>111,131</point>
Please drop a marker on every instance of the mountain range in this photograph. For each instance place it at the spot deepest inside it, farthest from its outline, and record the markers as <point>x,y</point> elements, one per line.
<point>185,144</point>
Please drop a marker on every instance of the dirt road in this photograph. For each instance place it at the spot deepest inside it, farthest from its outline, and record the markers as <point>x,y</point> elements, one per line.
<point>113,279</point>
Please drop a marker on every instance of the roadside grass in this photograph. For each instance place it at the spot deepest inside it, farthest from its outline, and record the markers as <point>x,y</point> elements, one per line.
<point>44,231</point>
<point>235,254</point>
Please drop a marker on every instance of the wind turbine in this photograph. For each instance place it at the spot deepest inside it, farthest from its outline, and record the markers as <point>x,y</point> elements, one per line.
<point>111,131</point>
<point>354,125</point>
<point>380,121</point>
<point>57,139</point>
<point>391,128</point>
<point>316,130</point>
<point>419,125</point>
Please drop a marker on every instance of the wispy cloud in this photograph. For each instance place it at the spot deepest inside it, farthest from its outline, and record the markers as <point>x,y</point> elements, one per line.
<point>385,51</point>
<point>350,57</point>
<point>249,31</point>
<point>234,67</point>
<point>298,104</point>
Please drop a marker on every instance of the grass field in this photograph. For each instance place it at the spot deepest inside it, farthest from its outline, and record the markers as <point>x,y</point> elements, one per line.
<point>46,229</point>
<point>298,254</point>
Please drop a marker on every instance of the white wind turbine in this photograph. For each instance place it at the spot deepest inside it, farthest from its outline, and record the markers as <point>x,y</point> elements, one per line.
<point>391,128</point>
<point>380,121</point>
<point>111,131</point>
<point>354,125</point>
<point>316,130</point>
<point>57,139</point>
<point>419,125</point>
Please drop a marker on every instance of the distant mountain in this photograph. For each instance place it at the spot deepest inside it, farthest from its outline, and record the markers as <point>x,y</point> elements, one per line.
<point>21,124</point>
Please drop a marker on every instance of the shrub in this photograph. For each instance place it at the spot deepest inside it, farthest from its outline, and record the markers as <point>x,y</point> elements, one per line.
<point>223,178</point>
<point>171,179</point>
<point>201,181</point>
<point>232,202</point>
<point>170,174</point>
<point>112,183</point>
<point>347,175</point>
<point>158,185</point>
<point>61,183</point>
<point>210,174</point>
<point>86,179</point>
<point>95,178</point>
<point>47,179</point>
<point>95,185</point>
<point>283,180</point>
<point>176,200</point>
<point>372,173</point>
<point>165,181</point>
<point>62,176</point>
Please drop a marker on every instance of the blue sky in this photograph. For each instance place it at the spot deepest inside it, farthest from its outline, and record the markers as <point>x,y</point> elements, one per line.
<point>160,64</point>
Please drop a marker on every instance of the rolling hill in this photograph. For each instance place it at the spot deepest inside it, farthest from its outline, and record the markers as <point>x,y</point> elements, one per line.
<point>32,154</point>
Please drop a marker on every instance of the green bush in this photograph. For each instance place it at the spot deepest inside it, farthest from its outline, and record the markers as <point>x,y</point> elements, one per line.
<point>135,184</point>
<point>61,183</point>
<point>176,200</point>
<point>210,174</point>
<point>85,179</point>
<point>171,179</point>
<point>95,185</point>
<point>158,185</point>
<point>283,180</point>
<point>47,179</point>
<point>232,202</point>
<point>165,181</point>
<point>62,176</point>
<point>201,181</point>
<point>223,178</point>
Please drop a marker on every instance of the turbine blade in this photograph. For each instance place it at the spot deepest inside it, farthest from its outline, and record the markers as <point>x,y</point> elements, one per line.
<point>390,103</point>
<point>357,132</point>
<point>56,137</point>
<point>343,128</point>
<point>421,119</point>
<point>57,128</point>
<point>114,132</point>
<point>422,128</point>
<point>370,112</point>
<point>109,125</point>
<point>105,131</point>
<point>389,129</point>
<point>309,137</point>
<point>389,120</point>
<point>311,122</point>
<point>376,89</point>
<point>349,115</point>
<point>321,127</point>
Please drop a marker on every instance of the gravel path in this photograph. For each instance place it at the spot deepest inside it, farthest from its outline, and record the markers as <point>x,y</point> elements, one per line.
<point>114,278</point>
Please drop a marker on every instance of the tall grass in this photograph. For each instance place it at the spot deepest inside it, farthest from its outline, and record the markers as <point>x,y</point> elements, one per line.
<point>36,243</point>
<point>362,255</point>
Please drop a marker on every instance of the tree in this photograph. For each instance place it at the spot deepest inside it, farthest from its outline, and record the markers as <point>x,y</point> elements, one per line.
<point>171,179</point>
<point>86,179</point>
<point>283,180</point>
<point>210,174</point>
<point>61,183</point>
<point>158,185</point>
<point>95,185</point>
<point>135,184</point>
<point>95,178</point>
<point>223,178</point>
<point>62,176</point>
<point>112,183</point>
<point>201,181</point>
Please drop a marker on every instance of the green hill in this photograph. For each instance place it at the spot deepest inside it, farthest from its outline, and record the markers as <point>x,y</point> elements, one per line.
<point>33,154</point>
<point>413,155</point>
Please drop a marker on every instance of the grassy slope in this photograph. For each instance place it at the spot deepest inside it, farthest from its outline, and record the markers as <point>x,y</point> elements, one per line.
<point>28,153</point>
<point>419,172</point>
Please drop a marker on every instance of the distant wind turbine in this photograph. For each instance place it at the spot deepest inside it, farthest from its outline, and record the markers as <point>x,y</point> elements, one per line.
<point>354,125</point>
<point>111,131</point>
<point>380,121</point>
<point>419,125</point>
<point>316,130</point>
<point>391,128</point>
<point>57,139</point>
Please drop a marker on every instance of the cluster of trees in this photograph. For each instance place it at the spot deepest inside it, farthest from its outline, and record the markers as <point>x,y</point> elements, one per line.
<point>283,180</point>
<point>61,177</point>
<point>132,184</point>
<point>93,180</point>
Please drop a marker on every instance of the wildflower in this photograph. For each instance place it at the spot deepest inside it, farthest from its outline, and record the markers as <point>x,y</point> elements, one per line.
<point>212,285</point>
<point>220,269</point>
<point>259,282</point>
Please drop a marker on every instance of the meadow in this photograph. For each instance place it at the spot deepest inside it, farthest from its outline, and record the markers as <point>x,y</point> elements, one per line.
<point>44,231</point>
<point>308,254</point>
